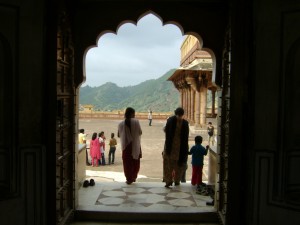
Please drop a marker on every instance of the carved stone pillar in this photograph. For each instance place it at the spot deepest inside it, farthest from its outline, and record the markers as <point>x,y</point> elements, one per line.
<point>197,109</point>
<point>190,103</point>
<point>191,81</point>
<point>180,97</point>
<point>213,96</point>
<point>186,111</point>
<point>192,108</point>
<point>183,98</point>
<point>203,105</point>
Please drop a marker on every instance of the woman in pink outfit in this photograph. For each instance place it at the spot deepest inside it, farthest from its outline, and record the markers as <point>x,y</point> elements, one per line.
<point>95,149</point>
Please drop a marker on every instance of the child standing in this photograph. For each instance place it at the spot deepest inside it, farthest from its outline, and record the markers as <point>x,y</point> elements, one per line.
<point>198,152</point>
<point>95,149</point>
<point>102,147</point>
<point>112,149</point>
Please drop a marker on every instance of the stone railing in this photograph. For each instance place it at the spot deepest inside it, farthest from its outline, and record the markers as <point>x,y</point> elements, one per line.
<point>81,163</point>
<point>212,170</point>
<point>119,115</point>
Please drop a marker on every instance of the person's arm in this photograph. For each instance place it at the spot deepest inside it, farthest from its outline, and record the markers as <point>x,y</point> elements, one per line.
<point>139,127</point>
<point>190,152</point>
<point>84,139</point>
<point>206,149</point>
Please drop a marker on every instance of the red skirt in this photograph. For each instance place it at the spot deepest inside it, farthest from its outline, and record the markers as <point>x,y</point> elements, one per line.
<point>131,166</point>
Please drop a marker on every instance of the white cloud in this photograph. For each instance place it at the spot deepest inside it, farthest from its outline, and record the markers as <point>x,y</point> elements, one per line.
<point>135,54</point>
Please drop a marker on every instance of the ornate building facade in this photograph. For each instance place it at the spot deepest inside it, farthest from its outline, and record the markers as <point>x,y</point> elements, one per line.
<point>194,79</point>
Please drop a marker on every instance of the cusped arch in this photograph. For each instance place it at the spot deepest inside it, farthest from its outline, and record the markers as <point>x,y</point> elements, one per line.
<point>169,22</point>
<point>116,33</point>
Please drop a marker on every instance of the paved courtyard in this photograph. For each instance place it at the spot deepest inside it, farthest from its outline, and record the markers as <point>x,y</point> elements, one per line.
<point>152,141</point>
<point>147,199</point>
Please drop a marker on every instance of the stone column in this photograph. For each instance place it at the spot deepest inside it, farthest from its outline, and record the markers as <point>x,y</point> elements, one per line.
<point>184,99</point>
<point>180,97</point>
<point>192,105</point>
<point>213,96</point>
<point>191,81</point>
<point>197,109</point>
<point>203,99</point>
<point>186,109</point>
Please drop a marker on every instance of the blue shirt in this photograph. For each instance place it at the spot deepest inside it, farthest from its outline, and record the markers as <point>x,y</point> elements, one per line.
<point>198,152</point>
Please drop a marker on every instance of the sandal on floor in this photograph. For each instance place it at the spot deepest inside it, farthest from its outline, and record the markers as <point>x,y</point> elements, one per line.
<point>86,183</point>
<point>168,184</point>
<point>92,182</point>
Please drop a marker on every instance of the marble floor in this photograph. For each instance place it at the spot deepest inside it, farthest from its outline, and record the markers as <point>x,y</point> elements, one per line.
<point>142,197</point>
<point>150,198</point>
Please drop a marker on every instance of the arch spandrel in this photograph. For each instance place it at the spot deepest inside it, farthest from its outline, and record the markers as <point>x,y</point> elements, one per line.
<point>95,17</point>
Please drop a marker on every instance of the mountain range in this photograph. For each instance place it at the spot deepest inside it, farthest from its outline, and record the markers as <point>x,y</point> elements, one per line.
<point>159,95</point>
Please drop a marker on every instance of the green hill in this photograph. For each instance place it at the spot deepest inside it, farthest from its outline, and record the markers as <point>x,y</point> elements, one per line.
<point>158,94</point>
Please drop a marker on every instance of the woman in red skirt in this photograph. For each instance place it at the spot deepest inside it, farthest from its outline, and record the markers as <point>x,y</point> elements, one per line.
<point>129,131</point>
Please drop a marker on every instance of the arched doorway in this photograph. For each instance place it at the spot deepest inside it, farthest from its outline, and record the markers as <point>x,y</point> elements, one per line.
<point>81,43</point>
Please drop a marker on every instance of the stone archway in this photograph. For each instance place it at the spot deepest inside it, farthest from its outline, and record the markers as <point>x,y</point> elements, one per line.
<point>83,53</point>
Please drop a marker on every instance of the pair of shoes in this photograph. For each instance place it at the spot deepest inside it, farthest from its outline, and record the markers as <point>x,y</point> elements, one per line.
<point>92,182</point>
<point>128,182</point>
<point>87,183</point>
<point>168,184</point>
<point>211,203</point>
<point>200,189</point>
<point>201,186</point>
<point>202,192</point>
<point>177,183</point>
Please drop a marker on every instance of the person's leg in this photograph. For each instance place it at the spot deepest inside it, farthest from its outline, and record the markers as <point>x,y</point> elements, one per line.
<point>135,169</point>
<point>109,156</point>
<point>103,159</point>
<point>179,170</point>
<point>87,157</point>
<point>183,177</point>
<point>168,169</point>
<point>209,140</point>
<point>194,175</point>
<point>199,175</point>
<point>113,155</point>
<point>128,164</point>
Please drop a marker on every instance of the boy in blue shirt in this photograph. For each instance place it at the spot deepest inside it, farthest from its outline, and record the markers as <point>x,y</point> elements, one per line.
<point>198,152</point>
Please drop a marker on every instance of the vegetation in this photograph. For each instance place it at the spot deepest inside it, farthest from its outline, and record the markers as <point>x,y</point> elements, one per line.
<point>158,94</point>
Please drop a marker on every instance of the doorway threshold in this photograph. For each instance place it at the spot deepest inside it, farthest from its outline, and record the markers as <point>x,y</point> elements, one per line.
<point>143,201</point>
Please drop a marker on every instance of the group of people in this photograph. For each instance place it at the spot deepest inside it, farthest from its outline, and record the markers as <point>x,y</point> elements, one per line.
<point>175,153</point>
<point>97,148</point>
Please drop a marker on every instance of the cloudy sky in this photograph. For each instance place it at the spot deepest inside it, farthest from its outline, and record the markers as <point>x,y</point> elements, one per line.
<point>137,53</point>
